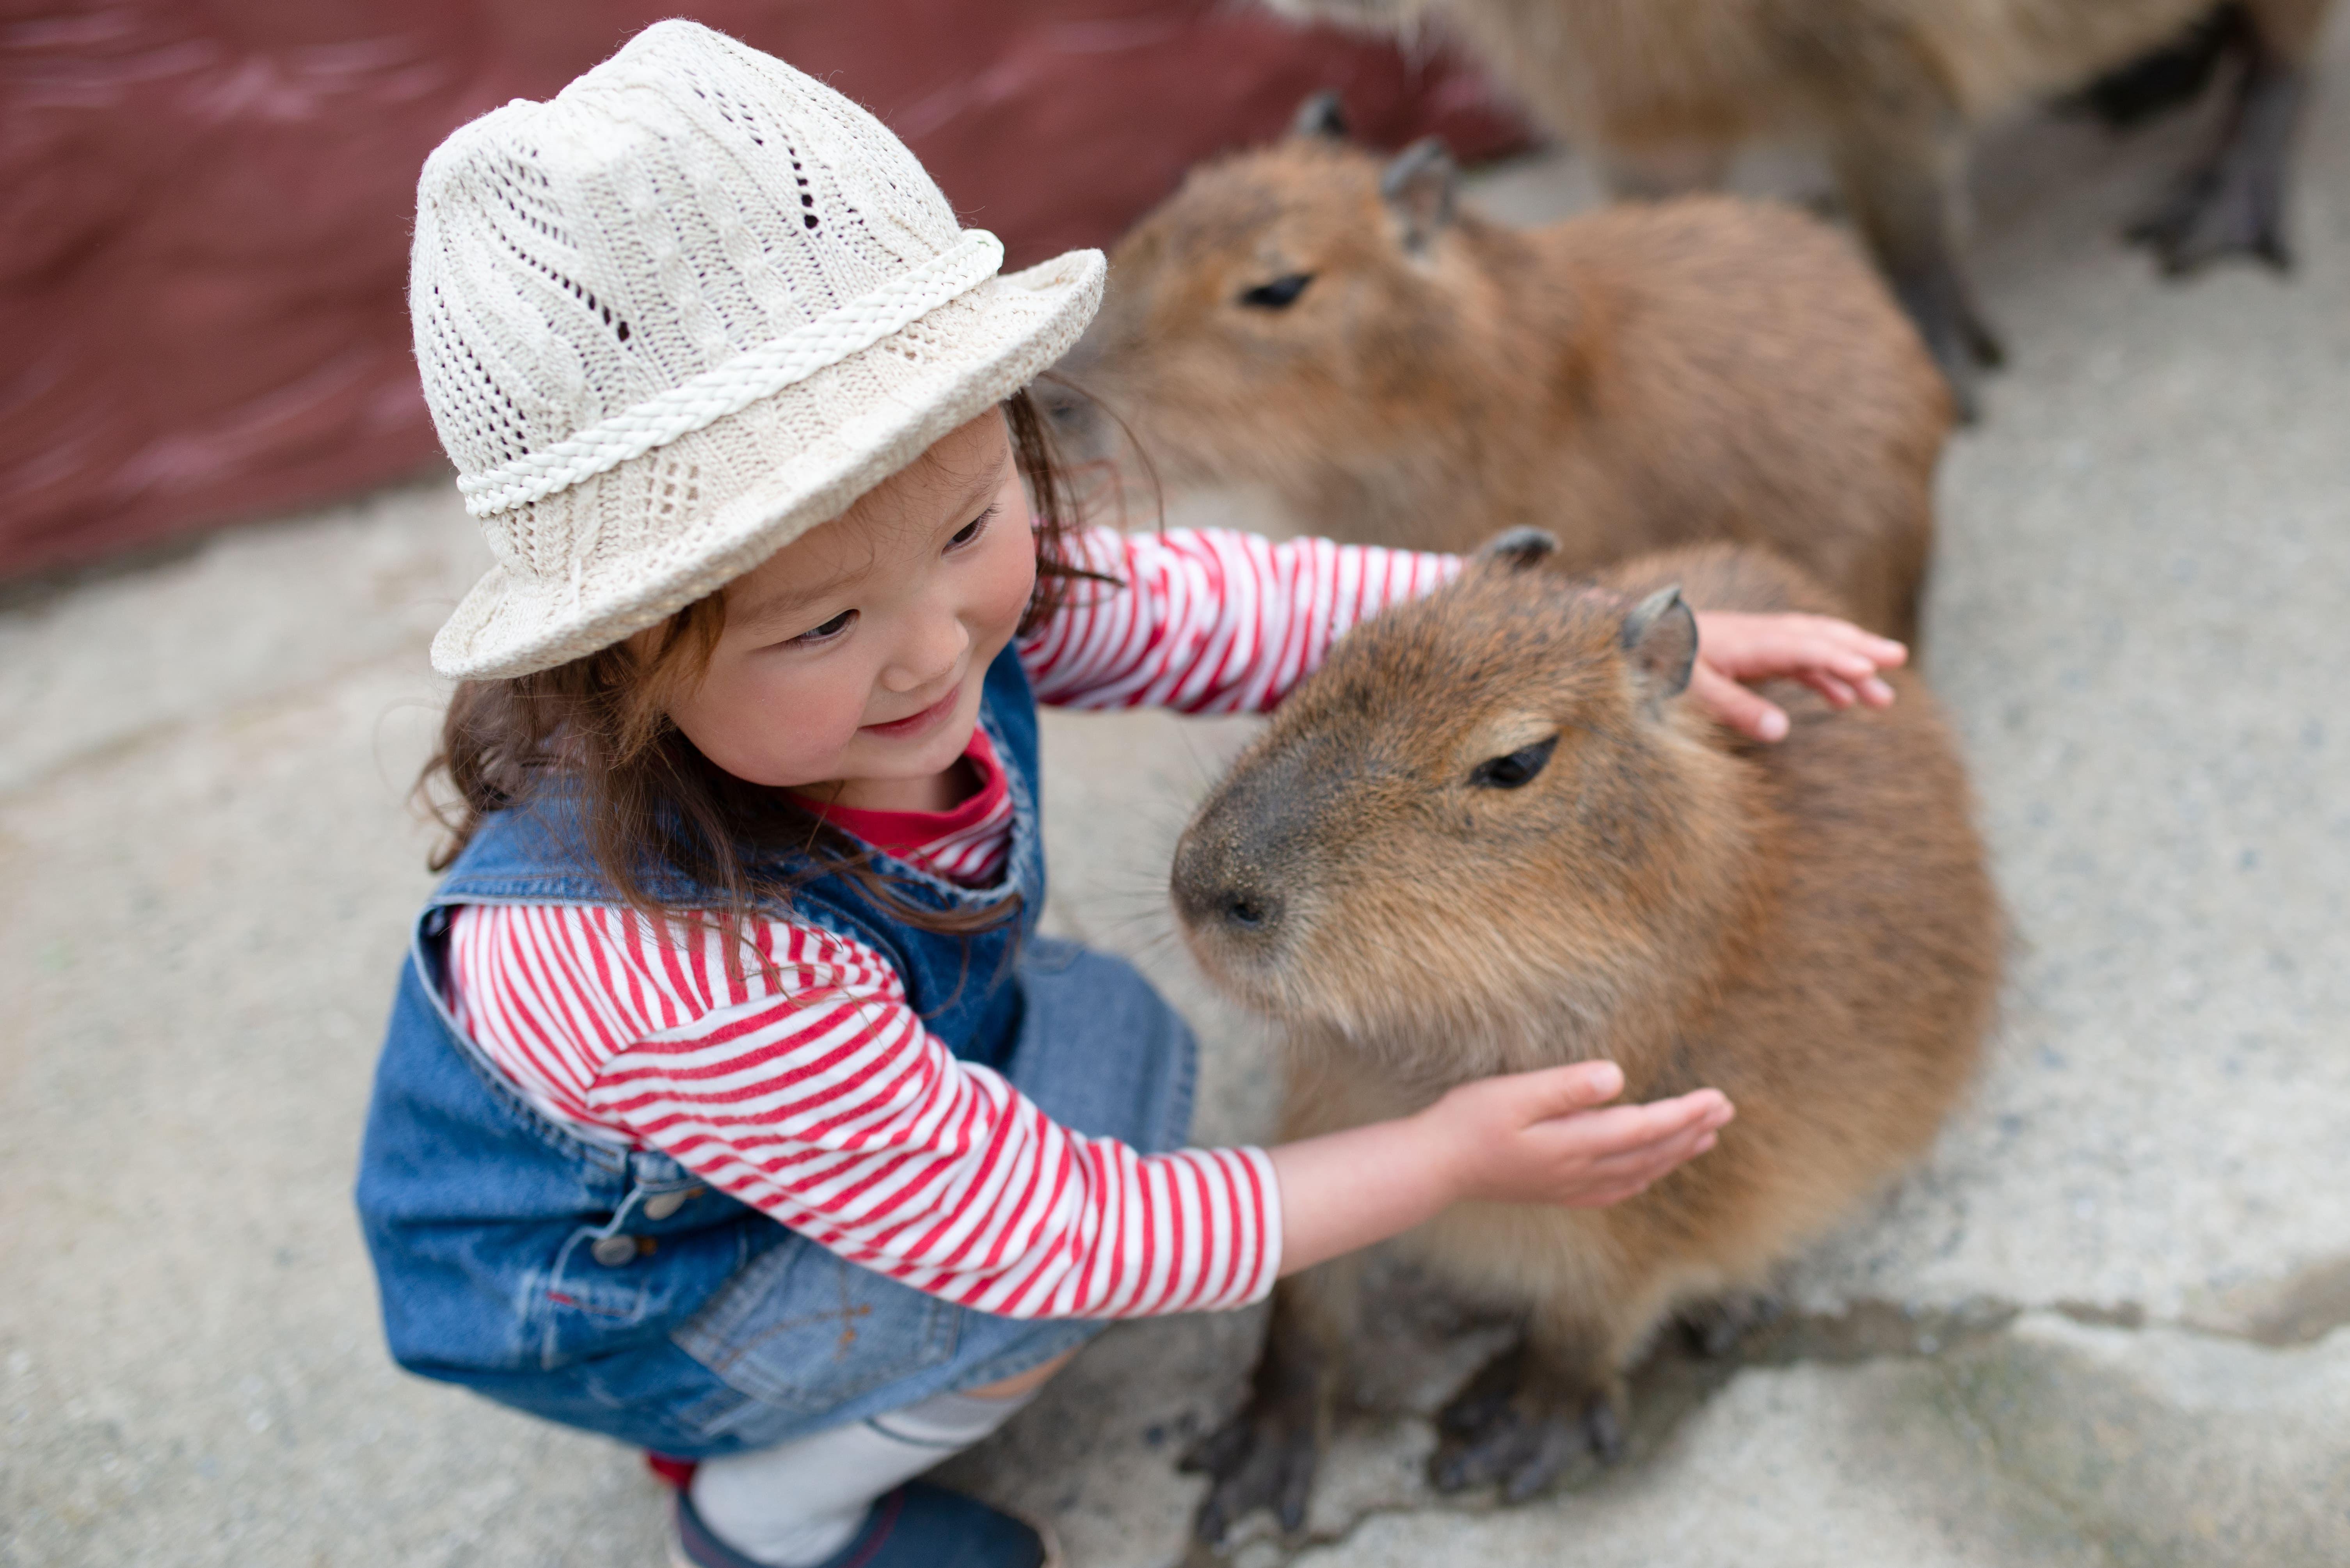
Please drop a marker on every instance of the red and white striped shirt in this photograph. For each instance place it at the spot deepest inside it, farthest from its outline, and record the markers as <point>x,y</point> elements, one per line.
<point>806,1086</point>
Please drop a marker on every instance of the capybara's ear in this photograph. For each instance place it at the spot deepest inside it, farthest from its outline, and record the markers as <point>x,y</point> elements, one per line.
<point>1323,115</point>
<point>1659,640</point>
<point>1422,187</point>
<point>1518,548</point>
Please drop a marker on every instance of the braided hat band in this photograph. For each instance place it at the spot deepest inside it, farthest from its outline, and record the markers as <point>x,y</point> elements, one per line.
<point>740,382</point>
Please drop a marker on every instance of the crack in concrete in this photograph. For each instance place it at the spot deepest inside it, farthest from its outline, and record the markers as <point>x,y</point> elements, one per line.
<point>1675,1381</point>
<point>2301,1309</point>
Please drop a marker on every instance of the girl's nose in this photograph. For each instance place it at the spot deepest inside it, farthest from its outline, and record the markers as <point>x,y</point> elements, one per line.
<point>934,644</point>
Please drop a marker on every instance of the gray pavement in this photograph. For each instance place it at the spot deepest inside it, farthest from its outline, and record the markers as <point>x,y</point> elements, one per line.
<point>2103,1325</point>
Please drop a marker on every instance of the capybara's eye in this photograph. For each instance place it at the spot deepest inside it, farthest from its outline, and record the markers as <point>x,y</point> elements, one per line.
<point>1517,768</point>
<point>1279,294</point>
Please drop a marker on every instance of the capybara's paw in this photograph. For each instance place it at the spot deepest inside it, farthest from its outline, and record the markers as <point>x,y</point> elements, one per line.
<point>2229,208</point>
<point>1519,1423</point>
<point>1264,1458</point>
<point>1714,1327</point>
<point>2234,203</point>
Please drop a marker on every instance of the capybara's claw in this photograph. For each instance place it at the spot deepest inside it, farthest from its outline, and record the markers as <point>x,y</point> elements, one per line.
<point>1603,1429</point>
<point>1526,1455</point>
<point>2209,216</point>
<point>1486,1398</point>
<point>1467,1462</point>
<point>2234,204</point>
<point>1556,1441</point>
<point>1264,1457</point>
<point>1216,1453</point>
<point>1520,1423</point>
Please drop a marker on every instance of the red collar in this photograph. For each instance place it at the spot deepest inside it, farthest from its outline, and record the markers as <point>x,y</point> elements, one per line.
<point>906,833</point>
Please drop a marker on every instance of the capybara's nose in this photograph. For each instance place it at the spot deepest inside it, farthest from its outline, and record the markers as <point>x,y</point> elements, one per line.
<point>1245,911</point>
<point>1212,893</point>
<point>1249,913</point>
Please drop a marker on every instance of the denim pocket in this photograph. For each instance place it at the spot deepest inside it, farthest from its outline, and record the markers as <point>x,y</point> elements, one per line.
<point>582,1306</point>
<point>806,1330</point>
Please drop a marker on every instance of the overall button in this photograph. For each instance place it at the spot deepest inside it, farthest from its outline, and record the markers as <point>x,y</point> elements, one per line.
<point>661,1205</point>
<point>613,1251</point>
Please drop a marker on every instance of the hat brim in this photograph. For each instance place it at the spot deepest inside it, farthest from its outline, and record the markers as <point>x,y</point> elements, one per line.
<point>731,495</point>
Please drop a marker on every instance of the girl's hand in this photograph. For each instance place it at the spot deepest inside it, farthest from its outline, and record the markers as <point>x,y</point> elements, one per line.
<point>1538,1138</point>
<point>1834,658</point>
<point>1528,1138</point>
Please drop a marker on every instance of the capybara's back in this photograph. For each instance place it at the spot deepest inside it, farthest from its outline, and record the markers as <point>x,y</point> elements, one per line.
<point>1344,332</point>
<point>1491,835</point>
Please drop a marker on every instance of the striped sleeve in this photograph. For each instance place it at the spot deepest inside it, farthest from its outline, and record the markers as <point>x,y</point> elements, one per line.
<point>814,1092</point>
<point>1212,620</point>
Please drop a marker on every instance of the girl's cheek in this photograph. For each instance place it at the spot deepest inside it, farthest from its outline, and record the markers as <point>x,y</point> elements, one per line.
<point>1011,572</point>
<point>810,717</point>
<point>776,726</point>
<point>1014,589</point>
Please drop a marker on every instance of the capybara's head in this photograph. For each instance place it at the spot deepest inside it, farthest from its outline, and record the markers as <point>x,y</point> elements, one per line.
<point>1484,829</point>
<point>1291,308</point>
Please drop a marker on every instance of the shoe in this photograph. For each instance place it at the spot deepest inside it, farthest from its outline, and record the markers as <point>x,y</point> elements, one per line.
<point>917,1526</point>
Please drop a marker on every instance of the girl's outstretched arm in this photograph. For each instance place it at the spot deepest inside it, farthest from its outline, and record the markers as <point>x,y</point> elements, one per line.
<point>1218,622</point>
<point>1526,1137</point>
<point>1212,620</point>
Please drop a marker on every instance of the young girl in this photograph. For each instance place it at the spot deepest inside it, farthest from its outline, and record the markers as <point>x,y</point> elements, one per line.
<point>731,1106</point>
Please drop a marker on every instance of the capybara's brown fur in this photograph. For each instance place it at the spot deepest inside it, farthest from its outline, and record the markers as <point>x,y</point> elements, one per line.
<point>1662,90</point>
<point>1490,835</point>
<point>1629,381</point>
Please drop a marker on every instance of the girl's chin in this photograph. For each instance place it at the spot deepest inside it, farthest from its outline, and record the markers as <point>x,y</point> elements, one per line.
<point>874,761</point>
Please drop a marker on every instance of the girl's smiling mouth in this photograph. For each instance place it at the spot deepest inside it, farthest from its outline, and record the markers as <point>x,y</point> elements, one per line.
<point>918,723</point>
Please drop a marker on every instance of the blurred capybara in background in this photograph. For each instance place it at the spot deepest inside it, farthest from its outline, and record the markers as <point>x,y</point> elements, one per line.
<point>1487,837</point>
<point>1400,371</point>
<point>1662,90</point>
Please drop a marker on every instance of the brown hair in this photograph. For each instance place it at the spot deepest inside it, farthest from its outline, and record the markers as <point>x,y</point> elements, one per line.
<point>649,799</point>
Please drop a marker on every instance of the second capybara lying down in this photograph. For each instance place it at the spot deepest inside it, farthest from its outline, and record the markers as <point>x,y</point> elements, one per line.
<point>1488,836</point>
<point>1341,330</point>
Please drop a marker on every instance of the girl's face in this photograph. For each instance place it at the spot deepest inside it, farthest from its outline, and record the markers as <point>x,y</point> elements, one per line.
<point>851,662</point>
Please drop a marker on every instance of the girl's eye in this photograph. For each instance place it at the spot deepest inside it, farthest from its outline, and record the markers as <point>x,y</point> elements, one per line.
<point>970,530</point>
<point>827,631</point>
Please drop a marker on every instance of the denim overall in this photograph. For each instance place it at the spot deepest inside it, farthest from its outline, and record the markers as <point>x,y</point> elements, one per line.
<point>610,1288</point>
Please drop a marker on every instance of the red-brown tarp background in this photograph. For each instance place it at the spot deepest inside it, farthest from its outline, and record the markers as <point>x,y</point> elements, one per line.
<point>205,204</point>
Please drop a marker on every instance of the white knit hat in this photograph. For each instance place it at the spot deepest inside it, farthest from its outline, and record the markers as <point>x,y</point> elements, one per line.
<point>679,314</point>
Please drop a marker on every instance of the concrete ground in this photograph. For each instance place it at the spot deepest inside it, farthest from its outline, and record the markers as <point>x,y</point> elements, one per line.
<point>2102,1327</point>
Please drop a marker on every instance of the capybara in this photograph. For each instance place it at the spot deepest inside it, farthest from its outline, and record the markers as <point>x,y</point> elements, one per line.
<point>1343,331</point>
<point>1488,836</point>
<point>1662,90</point>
